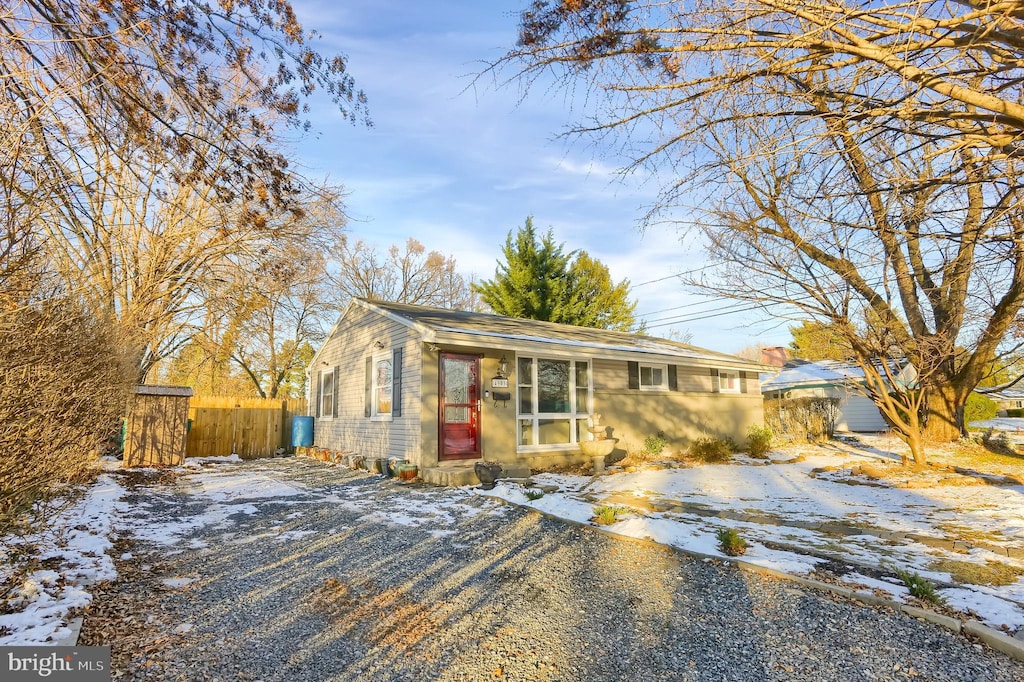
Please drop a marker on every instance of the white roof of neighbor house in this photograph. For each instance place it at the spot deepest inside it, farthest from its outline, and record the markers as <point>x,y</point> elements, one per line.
<point>820,373</point>
<point>829,373</point>
<point>1002,394</point>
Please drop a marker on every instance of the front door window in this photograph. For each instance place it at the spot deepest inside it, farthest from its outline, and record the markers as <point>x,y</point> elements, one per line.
<point>459,406</point>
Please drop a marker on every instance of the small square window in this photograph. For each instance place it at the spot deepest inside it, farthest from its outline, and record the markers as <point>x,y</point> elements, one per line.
<point>729,382</point>
<point>653,377</point>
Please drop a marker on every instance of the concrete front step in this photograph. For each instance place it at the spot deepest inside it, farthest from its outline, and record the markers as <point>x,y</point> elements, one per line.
<point>463,474</point>
<point>450,476</point>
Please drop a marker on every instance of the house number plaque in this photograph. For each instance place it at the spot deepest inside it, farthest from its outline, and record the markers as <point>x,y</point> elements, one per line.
<point>499,383</point>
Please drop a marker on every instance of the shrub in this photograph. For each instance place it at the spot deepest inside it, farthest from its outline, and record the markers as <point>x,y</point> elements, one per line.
<point>802,418</point>
<point>654,445</point>
<point>759,441</point>
<point>66,382</point>
<point>710,449</point>
<point>919,587</point>
<point>730,542</point>
<point>997,441</point>
<point>534,494</point>
<point>979,408</point>
<point>607,515</point>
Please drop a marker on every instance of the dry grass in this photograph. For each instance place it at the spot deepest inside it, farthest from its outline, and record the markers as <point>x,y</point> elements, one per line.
<point>994,573</point>
<point>977,456</point>
<point>968,534</point>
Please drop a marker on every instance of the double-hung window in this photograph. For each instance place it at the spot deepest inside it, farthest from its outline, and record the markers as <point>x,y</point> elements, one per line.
<point>326,397</point>
<point>728,382</point>
<point>381,389</point>
<point>653,377</point>
<point>553,402</point>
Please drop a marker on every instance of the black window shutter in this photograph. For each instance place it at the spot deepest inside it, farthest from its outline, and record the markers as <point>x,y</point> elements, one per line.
<point>673,382</point>
<point>716,384</point>
<point>316,394</point>
<point>743,382</point>
<point>396,383</point>
<point>368,388</point>
<point>337,380</point>
<point>634,374</point>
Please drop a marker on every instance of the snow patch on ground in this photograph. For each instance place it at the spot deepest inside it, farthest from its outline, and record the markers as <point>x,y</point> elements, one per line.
<point>676,507</point>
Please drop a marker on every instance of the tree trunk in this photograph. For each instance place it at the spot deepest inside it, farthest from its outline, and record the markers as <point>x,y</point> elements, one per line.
<point>916,444</point>
<point>945,414</point>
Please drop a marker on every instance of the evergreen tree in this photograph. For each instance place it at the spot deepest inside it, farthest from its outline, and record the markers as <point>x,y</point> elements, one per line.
<point>594,300</point>
<point>814,340</point>
<point>539,281</point>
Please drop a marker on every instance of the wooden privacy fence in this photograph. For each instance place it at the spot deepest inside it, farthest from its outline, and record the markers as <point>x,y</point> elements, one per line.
<point>249,427</point>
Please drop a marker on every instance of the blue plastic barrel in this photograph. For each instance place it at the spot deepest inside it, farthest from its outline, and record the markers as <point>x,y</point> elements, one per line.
<point>302,432</point>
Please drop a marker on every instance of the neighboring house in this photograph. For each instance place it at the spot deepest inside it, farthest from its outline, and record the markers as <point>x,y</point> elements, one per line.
<point>1005,397</point>
<point>438,387</point>
<point>834,379</point>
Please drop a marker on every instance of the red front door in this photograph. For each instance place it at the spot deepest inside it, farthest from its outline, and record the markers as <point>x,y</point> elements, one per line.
<point>459,392</point>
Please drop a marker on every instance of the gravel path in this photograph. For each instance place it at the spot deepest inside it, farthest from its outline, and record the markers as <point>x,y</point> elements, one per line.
<point>344,576</point>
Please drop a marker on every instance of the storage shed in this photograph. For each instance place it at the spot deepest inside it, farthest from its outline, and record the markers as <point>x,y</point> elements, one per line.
<point>157,426</point>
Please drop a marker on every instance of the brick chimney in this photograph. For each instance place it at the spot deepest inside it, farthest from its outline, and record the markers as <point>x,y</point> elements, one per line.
<point>776,357</point>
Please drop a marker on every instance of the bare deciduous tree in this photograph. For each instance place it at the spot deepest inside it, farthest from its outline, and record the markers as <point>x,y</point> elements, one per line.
<point>856,165</point>
<point>411,275</point>
<point>162,74</point>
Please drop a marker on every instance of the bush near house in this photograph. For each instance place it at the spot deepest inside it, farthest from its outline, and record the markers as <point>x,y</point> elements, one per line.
<point>655,445</point>
<point>709,449</point>
<point>802,418</point>
<point>759,441</point>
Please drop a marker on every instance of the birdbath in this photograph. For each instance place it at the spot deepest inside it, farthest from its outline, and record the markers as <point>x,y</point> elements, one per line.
<point>600,447</point>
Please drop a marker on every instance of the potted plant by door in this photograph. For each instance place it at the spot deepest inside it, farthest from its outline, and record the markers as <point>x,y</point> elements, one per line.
<point>488,473</point>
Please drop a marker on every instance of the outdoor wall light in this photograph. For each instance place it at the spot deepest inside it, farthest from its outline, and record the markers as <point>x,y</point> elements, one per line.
<point>379,345</point>
<point>503,367</point>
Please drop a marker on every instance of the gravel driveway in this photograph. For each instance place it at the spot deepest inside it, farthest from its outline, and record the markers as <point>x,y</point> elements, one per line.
<point>320,573</point>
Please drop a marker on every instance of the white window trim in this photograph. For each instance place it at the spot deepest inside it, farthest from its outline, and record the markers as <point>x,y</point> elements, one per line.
<point>721,385</point>
<point>663,386</point>
<point>374,359</point>
<point>536,417</point>
<point>320,398</point>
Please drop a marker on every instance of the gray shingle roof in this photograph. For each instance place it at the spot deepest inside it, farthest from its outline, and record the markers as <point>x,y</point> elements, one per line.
<point>490,330</point>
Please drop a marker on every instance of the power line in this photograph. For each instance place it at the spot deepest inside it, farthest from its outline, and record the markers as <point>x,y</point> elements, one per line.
<point>680,307</point>
<point>684,316</point>
<point>677,275</point>
<point>721,313</point>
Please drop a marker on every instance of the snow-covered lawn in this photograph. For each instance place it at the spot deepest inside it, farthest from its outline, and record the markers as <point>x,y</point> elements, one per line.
<point>780,508</point>
<point>870,506</point>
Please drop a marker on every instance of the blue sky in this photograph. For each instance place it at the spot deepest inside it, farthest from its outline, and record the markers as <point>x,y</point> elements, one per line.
<point>457,163</point>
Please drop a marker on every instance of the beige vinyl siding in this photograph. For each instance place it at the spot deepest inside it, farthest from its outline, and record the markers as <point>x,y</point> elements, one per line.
<point>352,342</point>
<point>694,379</point>
<point>691,411</point>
